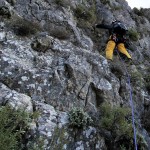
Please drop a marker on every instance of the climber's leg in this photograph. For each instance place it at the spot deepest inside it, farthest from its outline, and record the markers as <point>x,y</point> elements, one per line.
<point>123,50</point>
<point>109,49</point>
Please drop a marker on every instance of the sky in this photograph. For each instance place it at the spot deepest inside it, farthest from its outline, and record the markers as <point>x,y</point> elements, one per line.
<point>139,3</point>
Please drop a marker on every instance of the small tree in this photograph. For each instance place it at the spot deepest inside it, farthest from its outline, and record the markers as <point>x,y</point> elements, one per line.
<point>116,120</point>
<point>13,126</point>
<point>133,34</point>
<point>79,118</point>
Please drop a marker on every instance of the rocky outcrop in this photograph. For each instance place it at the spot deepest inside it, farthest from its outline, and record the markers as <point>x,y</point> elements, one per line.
<point>15,99</point>
<point>55,62</point>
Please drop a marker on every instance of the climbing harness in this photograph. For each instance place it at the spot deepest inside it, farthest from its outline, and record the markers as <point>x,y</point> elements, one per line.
<point>131,101</point>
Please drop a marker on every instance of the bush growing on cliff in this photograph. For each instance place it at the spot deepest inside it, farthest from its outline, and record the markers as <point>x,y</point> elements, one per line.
<point>86,16</point>
<point>137,79</point>
<point>114,120</point>
<point>142,144</point>
<point>24,28</point>
<point>5,12</point>
<point>133,34</point>
<point>148,87</point>
<point>137,11</point>
<point>79,118</point>
<point>59,139</point>
<point>61,33</point>
<point>105,2</point>
<point>13,125</point>
<point>147,82</point>
<point>63,3</point>
<point>81,12</point>
<point>59,2</point>
<point>117,121</point>
<point>14,129</point>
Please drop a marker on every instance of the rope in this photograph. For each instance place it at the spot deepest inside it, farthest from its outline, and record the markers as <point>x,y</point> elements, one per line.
<point>131,101</point>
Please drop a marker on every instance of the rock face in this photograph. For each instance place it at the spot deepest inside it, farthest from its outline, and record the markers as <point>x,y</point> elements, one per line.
<point>57,62</point>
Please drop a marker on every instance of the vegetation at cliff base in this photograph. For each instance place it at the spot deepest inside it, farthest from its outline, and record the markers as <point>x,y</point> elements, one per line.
<point>117,121</point>
<point>13,126</point>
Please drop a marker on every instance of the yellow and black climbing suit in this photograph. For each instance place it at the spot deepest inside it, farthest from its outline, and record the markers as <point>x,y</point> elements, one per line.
<point>117,31</point>
<point>111,44</point>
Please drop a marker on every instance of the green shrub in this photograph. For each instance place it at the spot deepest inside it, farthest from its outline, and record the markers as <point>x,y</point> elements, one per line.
<point>13,126</point>
<point>133,34</point>
<point>137,11</point>
<point>59,2</point>
<point>37,143</point>
<point>81,12</point>
<point>15,131</point>
<point>22,27</point>
<point>142,144</point>
<point>122,147</point>
<point>136,78</point>
<point>114,119</point>
<point>61,34</point>
<point>105,2</point>
<point>84,13</point>
<point>148,87</point>
<point>147,77</point>
<point>87,15</point>
<point>79,118</point>
<point>59,139</point>
<point>147,82</point>
<point>63,3</point>
<point>117,8</point>
<point>5,12</point>
<point>117,121</point>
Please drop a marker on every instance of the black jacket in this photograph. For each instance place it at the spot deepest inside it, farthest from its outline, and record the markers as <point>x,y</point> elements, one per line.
<point>120,36</point>
<point>103,26</point>
<point>109,27</point>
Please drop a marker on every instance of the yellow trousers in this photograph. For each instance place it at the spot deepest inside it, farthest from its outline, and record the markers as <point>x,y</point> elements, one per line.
<point>110,49</point>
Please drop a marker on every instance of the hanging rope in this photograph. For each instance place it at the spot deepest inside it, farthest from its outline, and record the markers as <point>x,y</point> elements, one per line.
<point>131,101</point>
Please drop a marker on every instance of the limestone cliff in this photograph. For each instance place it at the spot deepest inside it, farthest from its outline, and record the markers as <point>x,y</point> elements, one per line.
<point>52,60</point>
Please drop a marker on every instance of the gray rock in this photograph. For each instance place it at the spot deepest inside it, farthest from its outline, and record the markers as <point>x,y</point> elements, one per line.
<point>2,36</point>
<point>15,99</point>
<point>42,43</point>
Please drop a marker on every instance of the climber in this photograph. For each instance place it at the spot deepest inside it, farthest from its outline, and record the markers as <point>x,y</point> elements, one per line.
<point>117,38</point>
